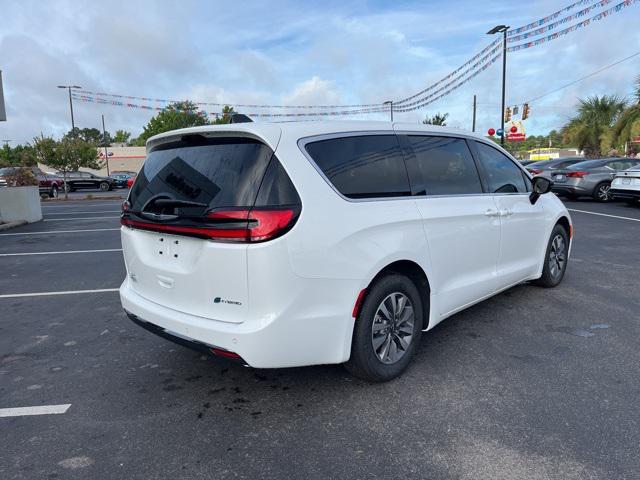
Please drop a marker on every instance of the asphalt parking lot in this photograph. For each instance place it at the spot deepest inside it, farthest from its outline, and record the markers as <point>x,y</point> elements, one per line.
<point>533,383</point>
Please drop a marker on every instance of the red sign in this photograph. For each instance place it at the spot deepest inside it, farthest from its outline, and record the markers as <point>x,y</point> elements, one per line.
<point>516,137</point>
<point>636,139</point>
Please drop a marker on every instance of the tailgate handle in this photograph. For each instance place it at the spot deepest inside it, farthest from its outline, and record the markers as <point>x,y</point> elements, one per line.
<point>165,282</point>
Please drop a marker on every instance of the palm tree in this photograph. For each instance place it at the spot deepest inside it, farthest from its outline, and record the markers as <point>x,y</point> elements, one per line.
<point>628,125</point>
<point>591,129</point>
<point>437,119</point>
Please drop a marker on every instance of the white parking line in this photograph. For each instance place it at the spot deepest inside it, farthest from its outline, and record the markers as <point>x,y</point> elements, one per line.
<point>65,292</point>
<point>76,218</point>
<point>604,215</point>
<point>42,410</point>
<point>82,204</point>
<point>59,231</point>
<point>74,213</point>
<point>58,253</point>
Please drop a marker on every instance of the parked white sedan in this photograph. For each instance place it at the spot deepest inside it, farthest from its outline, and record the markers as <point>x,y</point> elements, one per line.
<point>626,186</point>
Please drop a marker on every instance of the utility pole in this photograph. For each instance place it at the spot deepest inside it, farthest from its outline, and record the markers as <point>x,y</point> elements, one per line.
<point>104,142</point>
<point>390,103</point>
<point>6,141</point>
<point>502,29</point>
<point>473,125</point>
<point>69,87</point>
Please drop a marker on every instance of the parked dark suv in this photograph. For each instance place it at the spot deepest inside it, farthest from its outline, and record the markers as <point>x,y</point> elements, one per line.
<point>86,180</point>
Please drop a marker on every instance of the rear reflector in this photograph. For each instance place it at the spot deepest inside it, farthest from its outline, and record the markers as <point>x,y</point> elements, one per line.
<point>224,353</point>
<point>358,304</point>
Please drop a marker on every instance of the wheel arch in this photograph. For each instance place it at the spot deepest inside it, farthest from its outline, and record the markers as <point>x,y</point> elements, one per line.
<point>416,274</point>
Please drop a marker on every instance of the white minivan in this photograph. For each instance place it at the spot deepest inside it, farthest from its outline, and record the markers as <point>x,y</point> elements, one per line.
<point>291,244</point>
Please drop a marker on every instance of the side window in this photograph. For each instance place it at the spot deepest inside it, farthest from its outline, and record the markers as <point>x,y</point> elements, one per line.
<point>503,176</point>
<point>442,166</point>
<point>362,167</point>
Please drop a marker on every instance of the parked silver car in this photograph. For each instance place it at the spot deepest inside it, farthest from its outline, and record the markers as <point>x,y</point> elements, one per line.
<point>544,167</point>
<point>591,178</point>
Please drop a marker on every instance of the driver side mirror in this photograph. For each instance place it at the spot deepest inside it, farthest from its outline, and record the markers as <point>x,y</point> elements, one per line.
<point>541,186</point>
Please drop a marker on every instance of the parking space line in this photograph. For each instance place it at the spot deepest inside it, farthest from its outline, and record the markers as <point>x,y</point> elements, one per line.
<point>41,410</point>
<point>74,213</point>
<point>58,231</point>
<point>604,215</point>
<point>64,292</point>
<point>77,218</point>
<point>62,207</point>
<point>61,252</point>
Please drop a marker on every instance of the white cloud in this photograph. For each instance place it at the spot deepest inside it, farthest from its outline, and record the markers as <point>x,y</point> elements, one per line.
<point>290,52</point>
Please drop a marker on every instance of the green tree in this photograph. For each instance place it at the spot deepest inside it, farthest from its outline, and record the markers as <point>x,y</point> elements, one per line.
<point>591,129</point>
<point>174,116</point>
<point>225,118</point>
<point>121,136</point>
<point>67,155</point>
<point>437,119</point>
<point>21,155</point>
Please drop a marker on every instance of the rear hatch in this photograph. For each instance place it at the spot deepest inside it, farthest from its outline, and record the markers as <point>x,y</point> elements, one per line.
<point>194,207</point>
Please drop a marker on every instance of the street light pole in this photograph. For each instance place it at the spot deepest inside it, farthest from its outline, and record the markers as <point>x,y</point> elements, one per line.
<point>69,87</point>
<point>104,142</point>
<point>502,29</point>
<point>390,103</point>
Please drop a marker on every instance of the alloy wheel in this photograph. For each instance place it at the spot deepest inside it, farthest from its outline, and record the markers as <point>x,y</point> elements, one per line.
<point>603,193</point>
<point>392,328</point>
<point>557,256</point>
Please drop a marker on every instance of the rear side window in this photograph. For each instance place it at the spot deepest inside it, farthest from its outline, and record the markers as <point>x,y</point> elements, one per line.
<point>220,173</point>
<point>503,176</point>
<point>442,166</point>
<point>364,166</point>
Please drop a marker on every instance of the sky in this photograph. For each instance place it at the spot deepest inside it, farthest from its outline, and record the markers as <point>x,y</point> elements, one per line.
<point>298,52</point>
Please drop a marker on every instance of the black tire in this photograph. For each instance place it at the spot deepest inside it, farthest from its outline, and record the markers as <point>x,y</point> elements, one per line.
<point>364,362</point>
<point>104,186</point>
<point>601,192</point>
<point>551,277</point>
<point>53,193</point>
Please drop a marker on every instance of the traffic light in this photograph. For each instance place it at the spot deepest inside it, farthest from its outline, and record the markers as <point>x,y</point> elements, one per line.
<point>525,111</point>
<point>507,114</point>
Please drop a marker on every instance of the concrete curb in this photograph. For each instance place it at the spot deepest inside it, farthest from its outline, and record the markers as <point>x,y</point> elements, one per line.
<point>7,226</point>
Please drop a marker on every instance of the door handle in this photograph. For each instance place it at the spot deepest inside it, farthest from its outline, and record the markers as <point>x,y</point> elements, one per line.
<point>505,213</point>
<point>492,213</point>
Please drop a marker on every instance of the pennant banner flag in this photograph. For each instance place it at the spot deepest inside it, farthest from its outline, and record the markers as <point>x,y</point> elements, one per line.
<point>551,26</point>
<point>605,13</point>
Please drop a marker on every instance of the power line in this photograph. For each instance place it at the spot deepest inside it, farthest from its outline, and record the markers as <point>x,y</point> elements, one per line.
<point>600,70</point>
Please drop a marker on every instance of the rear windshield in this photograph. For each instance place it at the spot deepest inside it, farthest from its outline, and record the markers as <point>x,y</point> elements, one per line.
<point>221,173</point>
<point>588,164</point>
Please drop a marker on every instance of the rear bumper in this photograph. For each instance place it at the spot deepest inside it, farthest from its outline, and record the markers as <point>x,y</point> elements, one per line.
<point>621,194</point>
<point>183,341</point>
<point>299,336</point>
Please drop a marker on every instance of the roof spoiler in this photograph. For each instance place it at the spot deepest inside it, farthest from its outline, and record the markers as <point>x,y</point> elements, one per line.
<point>240,118</point>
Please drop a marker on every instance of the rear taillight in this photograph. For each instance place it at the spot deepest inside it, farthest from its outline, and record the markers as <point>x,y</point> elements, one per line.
<point>577,174</point>
<point>534,171</point>
<point>243,226</point>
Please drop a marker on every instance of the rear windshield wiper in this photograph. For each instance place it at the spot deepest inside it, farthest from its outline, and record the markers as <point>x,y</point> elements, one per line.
<point>168,202</point>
